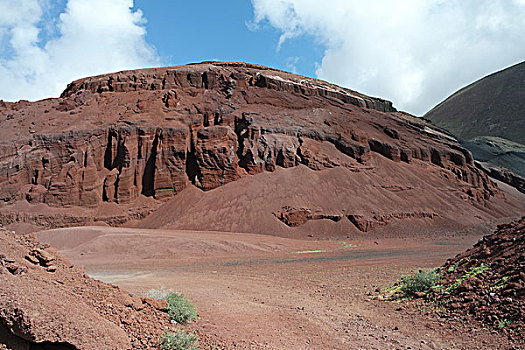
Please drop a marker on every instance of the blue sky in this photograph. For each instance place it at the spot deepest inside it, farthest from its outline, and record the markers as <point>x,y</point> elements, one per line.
<point>187,31</point>
<point>414,53</point>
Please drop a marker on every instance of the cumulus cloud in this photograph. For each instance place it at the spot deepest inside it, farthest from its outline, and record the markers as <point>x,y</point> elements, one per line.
<point>92,37</point>
<point>413,52</point>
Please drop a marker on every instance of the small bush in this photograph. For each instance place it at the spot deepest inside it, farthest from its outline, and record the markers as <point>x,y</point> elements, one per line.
<point>178,341</point>
<point>180,309</point>
<point>419,282</point>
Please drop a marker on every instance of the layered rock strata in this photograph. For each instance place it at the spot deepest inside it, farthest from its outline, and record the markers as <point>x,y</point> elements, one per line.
<point>151,133</point>
<point>294,217</point>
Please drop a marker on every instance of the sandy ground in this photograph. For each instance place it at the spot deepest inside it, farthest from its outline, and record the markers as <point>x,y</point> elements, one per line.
<point>265,292</point>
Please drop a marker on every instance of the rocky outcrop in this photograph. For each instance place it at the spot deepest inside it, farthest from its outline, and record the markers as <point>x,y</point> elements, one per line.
<point>83,169</point>
<point>151,133</point>
<point>294,217</point>
<point>504,175</point>
<point>486,283</point>
<point>369,223</point>
<point>47,303</point>
<point>247,75</point>
<point>297,216</point>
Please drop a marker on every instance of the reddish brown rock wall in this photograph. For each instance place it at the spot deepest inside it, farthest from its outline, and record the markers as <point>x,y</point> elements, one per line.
<point>151,133</point>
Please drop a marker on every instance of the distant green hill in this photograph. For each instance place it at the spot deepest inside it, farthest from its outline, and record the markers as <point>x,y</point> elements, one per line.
<point>488,117</point>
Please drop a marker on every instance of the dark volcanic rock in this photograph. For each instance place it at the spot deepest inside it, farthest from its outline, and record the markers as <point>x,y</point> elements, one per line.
<point>504,175</point>
<point>488,118</point>
<point>492,106</point>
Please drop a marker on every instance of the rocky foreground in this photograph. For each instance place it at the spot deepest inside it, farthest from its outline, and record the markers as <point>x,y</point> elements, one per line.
<point>47,303</point>
<point>487,282</point>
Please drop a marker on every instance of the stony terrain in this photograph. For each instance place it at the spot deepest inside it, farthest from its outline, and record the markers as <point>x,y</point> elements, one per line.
<point>487,282</point>
<point>48,303</point>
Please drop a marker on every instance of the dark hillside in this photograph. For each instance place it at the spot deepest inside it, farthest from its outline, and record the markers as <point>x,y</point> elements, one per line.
<point>488,117</point>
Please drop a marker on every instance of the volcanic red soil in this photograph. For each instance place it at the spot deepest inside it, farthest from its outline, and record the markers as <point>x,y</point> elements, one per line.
<point>276,203</point>
<point>265,292</point>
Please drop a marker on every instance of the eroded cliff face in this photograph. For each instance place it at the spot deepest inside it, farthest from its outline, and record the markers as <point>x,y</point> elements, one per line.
<point>151,133</point>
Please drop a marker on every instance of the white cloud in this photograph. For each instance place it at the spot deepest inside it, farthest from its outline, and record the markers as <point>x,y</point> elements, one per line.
<point>94,36</point>
<point>413,52</point>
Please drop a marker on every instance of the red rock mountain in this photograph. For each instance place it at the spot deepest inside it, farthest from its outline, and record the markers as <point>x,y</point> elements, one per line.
<point>113,147</point>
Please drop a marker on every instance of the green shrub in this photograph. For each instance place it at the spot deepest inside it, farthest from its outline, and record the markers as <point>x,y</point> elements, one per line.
<point>178,341</point>
<point>423,281</point>
<point>180,309</point>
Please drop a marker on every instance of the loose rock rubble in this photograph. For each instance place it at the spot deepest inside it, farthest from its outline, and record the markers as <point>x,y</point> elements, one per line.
<point>487,282</point>
<point>46,302</point>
